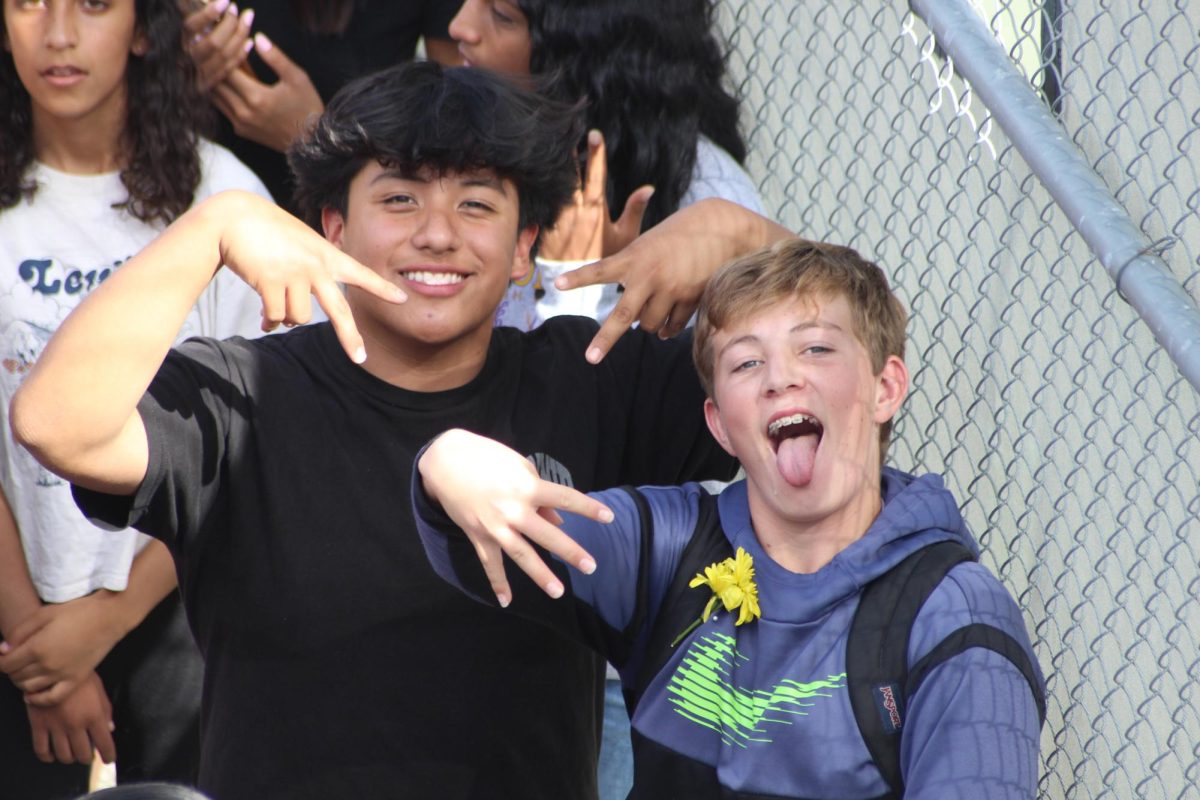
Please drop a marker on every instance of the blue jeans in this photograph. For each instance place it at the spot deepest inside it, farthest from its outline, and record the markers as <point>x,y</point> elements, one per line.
<point>616,751</point>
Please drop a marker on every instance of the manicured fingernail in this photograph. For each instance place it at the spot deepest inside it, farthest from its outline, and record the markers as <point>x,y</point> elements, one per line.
<point>248,46</point>
<point>233,9</point>
<point>220,5</point>
<point>248,18</point>
<point>360,355</point>
<point>587,566</point>
<point>554,589</point>
<point>262,43</point>
<point>503,600</point>
<point>593,355</point>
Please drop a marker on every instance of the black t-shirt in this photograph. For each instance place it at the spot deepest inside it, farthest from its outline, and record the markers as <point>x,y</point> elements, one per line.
<point>380,33</point>
<point>338,664</point>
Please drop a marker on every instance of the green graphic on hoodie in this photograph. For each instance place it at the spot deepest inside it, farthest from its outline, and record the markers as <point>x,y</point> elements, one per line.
<point>702,691</point>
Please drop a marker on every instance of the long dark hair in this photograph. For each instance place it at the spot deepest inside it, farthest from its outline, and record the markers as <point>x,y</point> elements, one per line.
<point>164,116</point>
<point>651,75</point>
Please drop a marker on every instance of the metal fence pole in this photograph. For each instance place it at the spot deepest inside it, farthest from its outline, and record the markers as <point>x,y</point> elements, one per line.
<point>1142,277</point>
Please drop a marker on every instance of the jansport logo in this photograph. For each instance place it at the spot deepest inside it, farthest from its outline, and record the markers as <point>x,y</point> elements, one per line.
<point>889,709</point>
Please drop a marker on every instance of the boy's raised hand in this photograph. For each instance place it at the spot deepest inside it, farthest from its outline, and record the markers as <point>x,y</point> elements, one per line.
<point>286,262</point>
<point>497,498</point>
<point>664,271</point>
<point>584,230</point>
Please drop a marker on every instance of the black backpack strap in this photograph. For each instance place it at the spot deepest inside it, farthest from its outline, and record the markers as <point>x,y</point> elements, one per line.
<point>877,649</point>
<point>681,605</point>
<point>988,637</point>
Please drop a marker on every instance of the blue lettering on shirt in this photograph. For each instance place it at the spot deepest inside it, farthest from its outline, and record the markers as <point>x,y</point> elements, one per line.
<point>35,272</point>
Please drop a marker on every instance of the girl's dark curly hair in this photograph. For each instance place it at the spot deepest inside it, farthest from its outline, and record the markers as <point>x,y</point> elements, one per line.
<point>650,74</point>
<point>164,116</point>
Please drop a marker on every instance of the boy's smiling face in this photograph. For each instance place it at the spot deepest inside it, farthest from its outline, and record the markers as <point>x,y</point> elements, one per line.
<point>452,241</point>
<point>796,400</point>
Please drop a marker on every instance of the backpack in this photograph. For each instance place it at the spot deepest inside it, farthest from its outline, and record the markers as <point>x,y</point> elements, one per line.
<point>878,676</point>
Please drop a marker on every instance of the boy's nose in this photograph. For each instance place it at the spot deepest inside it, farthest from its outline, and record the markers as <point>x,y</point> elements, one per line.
<point>437,232</point>
<point>782,375</point>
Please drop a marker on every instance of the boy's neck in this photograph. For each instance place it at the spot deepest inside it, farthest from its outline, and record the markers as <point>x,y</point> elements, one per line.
<point>420,367</point>
<point>78,147</point>
<point>807,546</point>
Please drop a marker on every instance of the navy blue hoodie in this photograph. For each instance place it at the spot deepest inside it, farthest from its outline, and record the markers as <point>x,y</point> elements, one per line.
<point>764,706</point>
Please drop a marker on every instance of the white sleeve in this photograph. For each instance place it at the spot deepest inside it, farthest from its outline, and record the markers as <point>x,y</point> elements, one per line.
<point>717,174</point>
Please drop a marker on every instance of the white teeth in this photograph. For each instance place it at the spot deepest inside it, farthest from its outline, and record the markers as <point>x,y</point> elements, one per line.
<point>795,419</point>
<point>435,278</point>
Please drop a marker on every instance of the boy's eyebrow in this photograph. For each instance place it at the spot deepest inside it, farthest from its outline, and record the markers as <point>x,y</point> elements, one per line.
<point>485,180</point>
<point>797,328</point>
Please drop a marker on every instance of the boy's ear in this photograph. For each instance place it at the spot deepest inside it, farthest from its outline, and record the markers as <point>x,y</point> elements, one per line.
<point>716,426</point>
<point>334,224</point>
<point>891,387</point>
<point>522,255</point>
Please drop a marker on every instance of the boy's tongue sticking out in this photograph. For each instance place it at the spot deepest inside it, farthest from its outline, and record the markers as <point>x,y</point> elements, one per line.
<point>795,438</point>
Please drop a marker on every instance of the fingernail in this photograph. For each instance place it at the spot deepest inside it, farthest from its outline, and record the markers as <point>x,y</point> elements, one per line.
<point>112,726</point>
<point>262,43</point>
<point>233,9</point>
<point>360,355</point>
<point>554,589</point>
<point>594,137</point>
<point>587,566</point>
<point>606,515</point>
<point>561,283</point>
<point>248,46</point>
<point>503,600</point>
<point>4,648</point>
<point>248,17</point>
<point>220,6</point>
<point>593,355</point>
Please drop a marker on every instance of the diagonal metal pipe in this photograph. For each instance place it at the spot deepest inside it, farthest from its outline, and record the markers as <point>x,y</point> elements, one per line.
<point>1141,276</point>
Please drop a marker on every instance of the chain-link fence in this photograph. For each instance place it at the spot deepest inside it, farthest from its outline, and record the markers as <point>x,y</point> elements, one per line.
<point>1067,433</point>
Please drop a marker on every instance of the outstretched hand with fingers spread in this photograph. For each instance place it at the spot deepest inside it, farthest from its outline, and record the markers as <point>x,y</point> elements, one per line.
<point>504,508</point>
<point>584,230</point>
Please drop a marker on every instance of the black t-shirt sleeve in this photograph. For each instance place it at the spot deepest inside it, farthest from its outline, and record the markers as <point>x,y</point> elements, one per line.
<point>667,440</point>
<point>186,411</point>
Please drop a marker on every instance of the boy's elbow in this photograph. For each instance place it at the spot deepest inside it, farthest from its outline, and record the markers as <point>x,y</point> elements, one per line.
<point>33,427</point>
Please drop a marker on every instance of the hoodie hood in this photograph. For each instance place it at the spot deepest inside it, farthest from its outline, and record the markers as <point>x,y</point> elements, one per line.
<point>917,511</point>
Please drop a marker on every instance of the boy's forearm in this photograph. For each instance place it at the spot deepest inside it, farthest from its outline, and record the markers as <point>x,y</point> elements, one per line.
<point>76,411</point>
<point>151,578</point>
<point>18,597</point>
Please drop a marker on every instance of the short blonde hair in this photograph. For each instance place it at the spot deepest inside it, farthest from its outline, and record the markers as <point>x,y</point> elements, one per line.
<point>802,269</point>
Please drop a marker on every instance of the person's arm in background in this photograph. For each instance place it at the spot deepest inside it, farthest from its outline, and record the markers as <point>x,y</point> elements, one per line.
<point>54,649</point>
<point>664,271</point>
<point>69,730</point>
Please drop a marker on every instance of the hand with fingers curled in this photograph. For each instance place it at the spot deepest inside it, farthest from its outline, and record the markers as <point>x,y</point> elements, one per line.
<point>76,727</point>
<point>217,37</point>
<point>54,650</point>
<point>495,496</point>
<point>585,231</point>
<point>288,263</point>
<point>275,114</point>
<point>664,270</point>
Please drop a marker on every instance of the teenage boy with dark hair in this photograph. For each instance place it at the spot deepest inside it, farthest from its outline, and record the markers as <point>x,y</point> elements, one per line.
<point>825,563</point>
<point>277,470</point>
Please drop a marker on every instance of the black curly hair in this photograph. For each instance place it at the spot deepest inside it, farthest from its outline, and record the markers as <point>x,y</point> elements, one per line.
<point>165,115</point>
<point>419,115</point>
<point>651,77</point>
